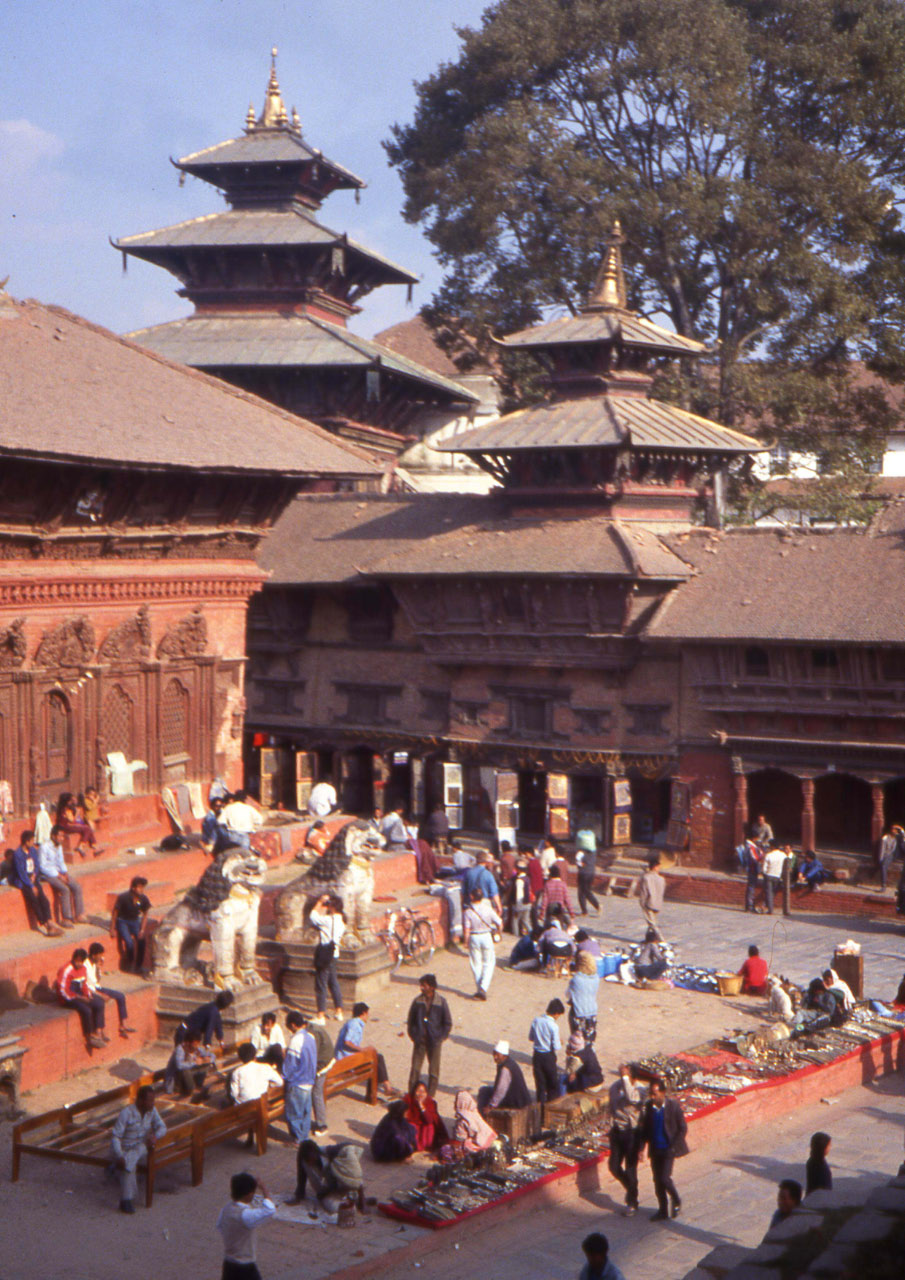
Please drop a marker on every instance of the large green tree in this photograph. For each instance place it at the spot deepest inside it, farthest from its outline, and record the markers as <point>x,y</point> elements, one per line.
<point>754,151</point>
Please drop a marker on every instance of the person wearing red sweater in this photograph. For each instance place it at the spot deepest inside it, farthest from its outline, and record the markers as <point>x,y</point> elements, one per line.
<point>754,973</point>
<point>72,988</point>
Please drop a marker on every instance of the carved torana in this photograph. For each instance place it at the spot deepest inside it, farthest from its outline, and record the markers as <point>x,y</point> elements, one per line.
<point>131,640</point>
<point>12,645</point>
<point>186,639</point>
<point>71,644</point>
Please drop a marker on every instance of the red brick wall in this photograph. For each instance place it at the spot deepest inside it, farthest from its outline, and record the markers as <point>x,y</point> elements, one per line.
<point>712,800</point>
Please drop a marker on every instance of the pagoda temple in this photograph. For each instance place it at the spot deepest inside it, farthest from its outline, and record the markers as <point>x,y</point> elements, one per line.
<point>273,289</point>
<point>600,437</point>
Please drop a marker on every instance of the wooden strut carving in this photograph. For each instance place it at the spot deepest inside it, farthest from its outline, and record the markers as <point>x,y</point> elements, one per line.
<point>71,644</point>
<point>186,639</point>
<point>12,645</point>
<point>130,640</point>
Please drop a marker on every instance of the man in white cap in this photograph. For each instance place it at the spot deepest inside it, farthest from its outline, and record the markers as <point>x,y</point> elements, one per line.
<point>508,1090</point>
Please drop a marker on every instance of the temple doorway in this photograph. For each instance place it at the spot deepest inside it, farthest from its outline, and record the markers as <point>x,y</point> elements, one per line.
<point>843,810</point>
<point>776,795</point>
<point>532,802</point>
<point>894,803</point>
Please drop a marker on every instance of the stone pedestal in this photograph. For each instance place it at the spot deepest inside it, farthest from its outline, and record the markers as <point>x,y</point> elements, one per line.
<point>12,1052</point>
<point>176,1001</point>
<point>362,973</point>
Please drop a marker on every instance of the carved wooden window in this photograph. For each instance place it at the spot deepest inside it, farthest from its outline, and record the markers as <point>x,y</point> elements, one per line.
<point>435,705</point>
<point>174,720</point>
<point>57,737</point>
<point>529,714</point>
<point>370,615</point>
<point>368,703</point>
<point>825,663</point>
<point>757,661</point>
<point>117,722</point>
<point>647,719</point>
<point>893,664</point>
<point>592,721</point>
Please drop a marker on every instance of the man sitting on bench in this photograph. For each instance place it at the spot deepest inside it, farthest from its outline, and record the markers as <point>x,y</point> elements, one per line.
<point>137,1128</point>
<point>187,1068</point>
<point>349,1040</point>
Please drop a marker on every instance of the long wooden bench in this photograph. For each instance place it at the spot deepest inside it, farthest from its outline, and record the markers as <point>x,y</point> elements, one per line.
<point>81,1133</point>
<point>358,1068</point>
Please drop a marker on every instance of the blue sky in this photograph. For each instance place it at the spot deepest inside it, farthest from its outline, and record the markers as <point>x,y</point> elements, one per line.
<point>96,95</point>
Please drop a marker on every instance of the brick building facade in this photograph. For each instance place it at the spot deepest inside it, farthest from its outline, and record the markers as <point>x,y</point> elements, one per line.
<point>132,503</point>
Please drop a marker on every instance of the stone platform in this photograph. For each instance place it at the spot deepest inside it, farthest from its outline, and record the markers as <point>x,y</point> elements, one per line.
<point>175,1002</point>
<point>362,973</point>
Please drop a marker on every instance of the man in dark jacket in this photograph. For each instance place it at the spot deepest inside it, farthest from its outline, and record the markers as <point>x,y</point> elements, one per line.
<point>429,1023</point>
<point>508,1090</point>
<point>664,1128</point>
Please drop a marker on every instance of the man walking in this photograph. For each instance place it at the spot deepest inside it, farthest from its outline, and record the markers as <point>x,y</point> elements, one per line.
<point>429,1024</point>
<point>651,893</point>
<point>299,1076</point>
<point>626,1102</point>
<point>664,1128</point>
<point>138,1126</point>
<point>586,863</point>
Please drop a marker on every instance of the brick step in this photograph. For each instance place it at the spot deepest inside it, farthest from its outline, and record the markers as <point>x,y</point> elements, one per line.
<point>53,1037</point>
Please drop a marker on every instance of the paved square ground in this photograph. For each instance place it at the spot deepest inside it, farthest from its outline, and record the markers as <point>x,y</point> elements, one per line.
<point>59,1222</point>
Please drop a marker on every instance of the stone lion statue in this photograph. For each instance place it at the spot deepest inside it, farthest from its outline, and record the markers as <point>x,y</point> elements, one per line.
<point>223,906</point>
<point>344,868</point>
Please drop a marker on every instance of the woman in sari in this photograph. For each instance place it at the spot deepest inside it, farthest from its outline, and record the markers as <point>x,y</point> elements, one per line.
<point>471,1129</point>
<point>422,1114</point>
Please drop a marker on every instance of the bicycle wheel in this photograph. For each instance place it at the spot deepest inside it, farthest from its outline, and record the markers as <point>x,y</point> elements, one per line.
<point>394,950</point>
<point>398,948</point>
<point>422,942</point>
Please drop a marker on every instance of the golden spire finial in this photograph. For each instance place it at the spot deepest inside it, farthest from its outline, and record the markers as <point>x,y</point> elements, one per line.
<point>274,113</point>
<point>296,122</point>
<point>609,287</point>
<point>250,117</point>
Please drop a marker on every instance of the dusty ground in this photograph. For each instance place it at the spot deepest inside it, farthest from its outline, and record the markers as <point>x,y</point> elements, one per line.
<point>65,1219</point>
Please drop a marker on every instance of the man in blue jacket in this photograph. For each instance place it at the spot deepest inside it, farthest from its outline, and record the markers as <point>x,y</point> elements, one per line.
<point>26,877</point>
<point>299,1076</point>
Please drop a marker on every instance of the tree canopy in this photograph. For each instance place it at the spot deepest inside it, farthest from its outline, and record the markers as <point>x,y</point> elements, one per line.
<point>754,151</point>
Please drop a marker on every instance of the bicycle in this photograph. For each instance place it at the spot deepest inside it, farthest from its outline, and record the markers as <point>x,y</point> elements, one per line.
<point>408,937</point>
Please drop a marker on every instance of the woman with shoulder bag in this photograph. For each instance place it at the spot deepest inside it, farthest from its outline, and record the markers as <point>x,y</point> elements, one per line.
<point>327,918</point>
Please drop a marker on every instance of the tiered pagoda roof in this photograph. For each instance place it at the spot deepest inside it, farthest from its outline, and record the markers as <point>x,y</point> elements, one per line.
<point>601,433</point>
<point>273,287</point>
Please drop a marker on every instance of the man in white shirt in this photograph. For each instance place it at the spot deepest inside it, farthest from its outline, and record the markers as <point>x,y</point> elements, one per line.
<point>393,828</point>
<point>67,891</point>
<point>322,800</point>
<point>236,1224</point>
<point>773,865</point>
<point>138,1126</point>
<point>240,819</point>
<point>252,1079</point>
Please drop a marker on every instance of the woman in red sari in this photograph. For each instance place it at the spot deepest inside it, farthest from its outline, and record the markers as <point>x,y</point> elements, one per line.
<point>421,1112</point>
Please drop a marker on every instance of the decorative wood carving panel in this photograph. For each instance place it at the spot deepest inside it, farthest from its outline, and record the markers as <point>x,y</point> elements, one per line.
<point>71,644</point>
<point>12,645</point>
<point>130,641</point>
<point>186,639</point>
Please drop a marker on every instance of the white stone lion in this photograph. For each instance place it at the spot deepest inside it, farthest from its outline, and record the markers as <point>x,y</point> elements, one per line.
<point>223,906</point>
<point>344,868</point>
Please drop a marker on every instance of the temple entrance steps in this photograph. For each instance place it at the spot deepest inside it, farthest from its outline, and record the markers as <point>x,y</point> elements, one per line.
<point>126,823</point>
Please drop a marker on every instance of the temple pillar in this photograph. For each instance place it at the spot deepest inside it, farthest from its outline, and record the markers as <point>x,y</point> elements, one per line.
<point>877,817</point>
<point>808,819</point>
<point>740,812</point>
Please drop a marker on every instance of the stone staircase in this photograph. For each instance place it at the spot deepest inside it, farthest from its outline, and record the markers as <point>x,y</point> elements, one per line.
<point>29,962</point>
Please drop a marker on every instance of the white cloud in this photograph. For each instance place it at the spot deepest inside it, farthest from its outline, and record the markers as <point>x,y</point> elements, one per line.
<point>25,147</point>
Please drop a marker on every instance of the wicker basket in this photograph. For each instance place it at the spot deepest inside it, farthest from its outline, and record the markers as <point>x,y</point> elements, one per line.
<point>730,984</point>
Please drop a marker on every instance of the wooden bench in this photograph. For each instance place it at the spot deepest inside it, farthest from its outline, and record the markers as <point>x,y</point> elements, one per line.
<point>81,1133</point>
<point>357,1068</point>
